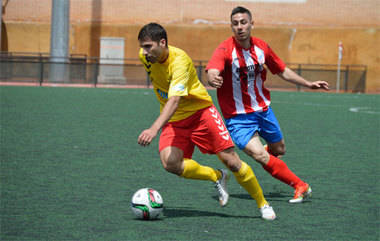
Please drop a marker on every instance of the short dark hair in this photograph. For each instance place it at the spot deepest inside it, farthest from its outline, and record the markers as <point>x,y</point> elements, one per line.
<point>153,31</point>
<point>240,9</point>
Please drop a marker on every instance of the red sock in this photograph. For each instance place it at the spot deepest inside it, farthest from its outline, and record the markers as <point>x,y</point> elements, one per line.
<point>278,169</point>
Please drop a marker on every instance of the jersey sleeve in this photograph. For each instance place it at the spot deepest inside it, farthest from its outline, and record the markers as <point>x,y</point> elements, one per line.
<point>180,77</point>
<point>217,59</point>
<point>273,62</point>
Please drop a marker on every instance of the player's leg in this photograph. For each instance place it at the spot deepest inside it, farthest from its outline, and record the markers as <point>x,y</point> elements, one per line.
<point>173,161</point>
<point>176,149</point>
<point>271,132</point>
<point>210,135</point>
<point>279,170</point>
<point>273,165</point>
<point>245,134</point>
<point>247,179</point>
<point>193,170</point>
<point>243,174</point>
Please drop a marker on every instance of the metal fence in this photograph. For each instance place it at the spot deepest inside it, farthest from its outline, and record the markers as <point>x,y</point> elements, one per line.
<point>76,69</point>
<point>42,69</point>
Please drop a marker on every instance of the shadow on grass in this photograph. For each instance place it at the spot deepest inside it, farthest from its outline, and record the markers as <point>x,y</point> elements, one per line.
<point>180,212</point>
<point>272,196</point>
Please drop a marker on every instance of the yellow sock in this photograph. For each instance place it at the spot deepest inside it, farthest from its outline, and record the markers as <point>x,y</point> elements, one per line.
<point>193,170</point>
<point>247,179</point>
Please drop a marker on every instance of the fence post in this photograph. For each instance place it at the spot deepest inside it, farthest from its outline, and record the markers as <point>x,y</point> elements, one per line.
<point>41,69</point>
<point>346,78</point>
<point>96,73</point>
<point>364,77</point>
<point>299,71</point>
<point>340,56</point>
<point>199,71</point>
<point>147,80</point>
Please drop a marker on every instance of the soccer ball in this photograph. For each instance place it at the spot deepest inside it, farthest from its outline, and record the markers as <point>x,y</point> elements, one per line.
<point>147,204</point>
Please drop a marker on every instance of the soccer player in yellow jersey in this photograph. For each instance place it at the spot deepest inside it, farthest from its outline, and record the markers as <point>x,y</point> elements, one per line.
<point>188,118</point>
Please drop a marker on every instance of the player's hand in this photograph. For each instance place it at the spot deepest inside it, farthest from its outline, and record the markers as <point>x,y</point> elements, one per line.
<point>146,137</point>
<point>319,85</point>
<point>216,81</point>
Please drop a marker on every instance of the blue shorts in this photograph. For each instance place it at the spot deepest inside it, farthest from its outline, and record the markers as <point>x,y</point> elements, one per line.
<point>242,127</point>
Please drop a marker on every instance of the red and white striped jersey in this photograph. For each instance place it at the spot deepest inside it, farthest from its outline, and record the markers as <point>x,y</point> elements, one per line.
<point>243,75</point>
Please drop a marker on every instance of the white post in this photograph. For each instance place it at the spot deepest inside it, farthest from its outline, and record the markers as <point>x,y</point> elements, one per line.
<point>340,56</point>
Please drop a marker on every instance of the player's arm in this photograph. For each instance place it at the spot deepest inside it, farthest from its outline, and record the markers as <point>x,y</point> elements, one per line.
<point>214,79</point>
<point>167,112</point>
<point>292,77</point>
<point>215,66</point>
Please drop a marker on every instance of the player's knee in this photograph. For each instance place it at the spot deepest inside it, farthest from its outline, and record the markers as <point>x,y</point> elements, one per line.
<point>172,166</point>
<point>230,159</point>
<point>234,165</point>
<point>278,150</point>
<point>171,160</point>
<point>260,156</point>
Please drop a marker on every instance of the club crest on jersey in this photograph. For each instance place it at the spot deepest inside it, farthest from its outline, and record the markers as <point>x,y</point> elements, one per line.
<point>179,87</point>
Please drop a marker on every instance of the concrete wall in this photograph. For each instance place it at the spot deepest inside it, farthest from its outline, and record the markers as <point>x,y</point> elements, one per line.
<point>348,13</point>
<point>309,45</point>
<point>198,26</point>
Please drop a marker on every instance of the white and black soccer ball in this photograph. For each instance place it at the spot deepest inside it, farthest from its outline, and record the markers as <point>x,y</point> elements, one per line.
<point>147,204</point>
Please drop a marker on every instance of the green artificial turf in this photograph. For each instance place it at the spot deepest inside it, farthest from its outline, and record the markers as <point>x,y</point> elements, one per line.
<point>70,164</point>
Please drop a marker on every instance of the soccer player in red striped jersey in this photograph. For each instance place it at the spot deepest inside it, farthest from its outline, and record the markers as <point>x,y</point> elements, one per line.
<point>237,69</point>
